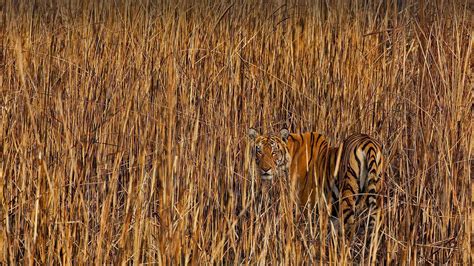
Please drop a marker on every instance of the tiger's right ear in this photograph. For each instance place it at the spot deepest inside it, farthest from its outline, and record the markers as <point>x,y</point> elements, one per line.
<point>284,133</point>
<point>252,133</point>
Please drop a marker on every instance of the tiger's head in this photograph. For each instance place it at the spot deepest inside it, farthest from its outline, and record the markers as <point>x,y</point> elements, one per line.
<point>271,153</point>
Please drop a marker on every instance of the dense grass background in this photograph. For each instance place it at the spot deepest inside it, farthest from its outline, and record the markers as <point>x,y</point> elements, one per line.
<point>123,126</point>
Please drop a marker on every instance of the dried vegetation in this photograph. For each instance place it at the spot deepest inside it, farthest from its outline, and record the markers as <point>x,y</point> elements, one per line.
<point>123,126</point>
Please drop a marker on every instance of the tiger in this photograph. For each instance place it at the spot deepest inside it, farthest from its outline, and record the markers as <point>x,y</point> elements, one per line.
<point>344,175</point>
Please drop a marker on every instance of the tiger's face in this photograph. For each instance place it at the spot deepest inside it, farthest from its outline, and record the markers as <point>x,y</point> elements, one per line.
<point>271,154</point>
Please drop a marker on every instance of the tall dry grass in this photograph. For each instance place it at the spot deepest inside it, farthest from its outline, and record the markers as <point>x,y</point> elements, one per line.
<point>123,126</point>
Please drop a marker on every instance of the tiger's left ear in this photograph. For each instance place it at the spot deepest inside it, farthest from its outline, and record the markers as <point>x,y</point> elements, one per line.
<point>284,134</point>
<point>252,133</point>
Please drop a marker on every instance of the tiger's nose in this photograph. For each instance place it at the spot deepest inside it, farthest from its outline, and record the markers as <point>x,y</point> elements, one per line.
<point>266,174</point>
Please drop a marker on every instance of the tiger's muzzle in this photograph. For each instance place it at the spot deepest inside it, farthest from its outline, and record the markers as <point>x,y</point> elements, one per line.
<point>266,175</point>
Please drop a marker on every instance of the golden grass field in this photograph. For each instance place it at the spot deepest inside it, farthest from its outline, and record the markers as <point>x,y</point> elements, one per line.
<point>123,133</point>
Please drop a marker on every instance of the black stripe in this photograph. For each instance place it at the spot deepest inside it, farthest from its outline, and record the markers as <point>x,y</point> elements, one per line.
<point>370,150</point>
<point>365,144</point>
<point>347,187</point>
<point>355,154</point>
<point>354,175</point>
<point>370,164</point>
<point>317,140</point>
<point>355,141</point>
<point>348,216</point>
<point>293,138</point>
<point>359,163</point>
<point>348,200</point>
<point>311,149</point>
<point>372,181</point>
<point>373,171</point>
<point>372,191</point>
